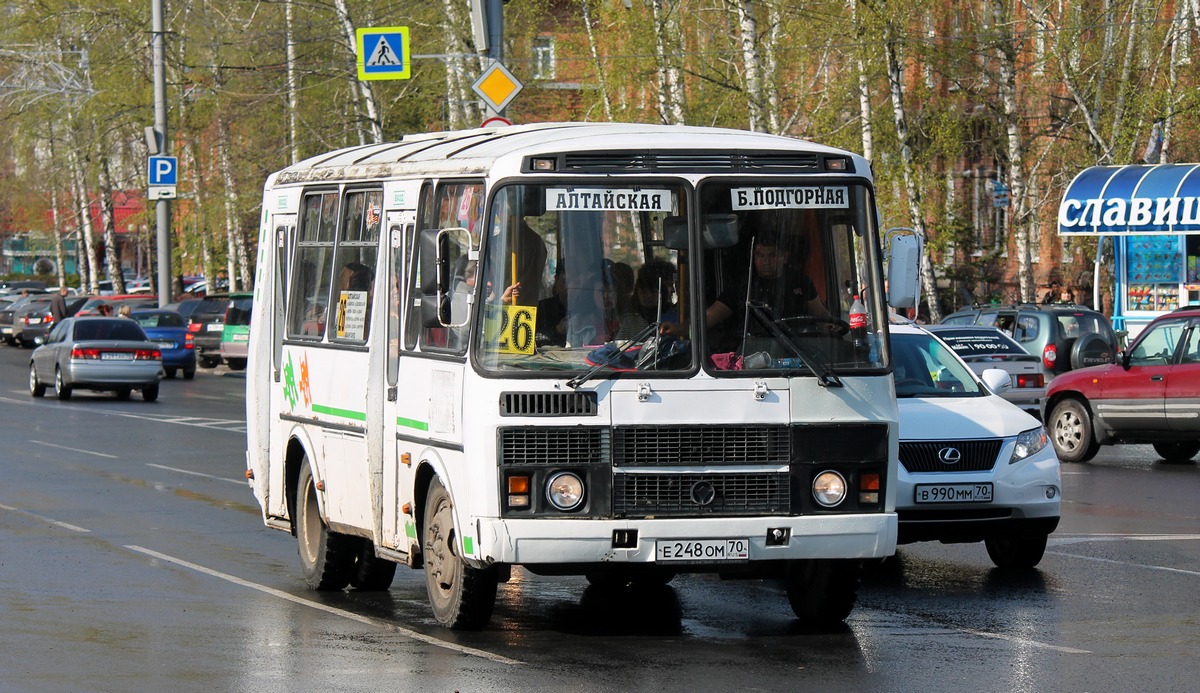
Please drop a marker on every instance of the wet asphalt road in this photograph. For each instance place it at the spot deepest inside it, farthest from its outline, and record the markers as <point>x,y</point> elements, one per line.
<point>133,558</point>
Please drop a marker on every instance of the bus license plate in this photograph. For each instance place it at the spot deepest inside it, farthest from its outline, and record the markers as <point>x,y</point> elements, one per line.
<point>701,550</point>
<point>953,493</point>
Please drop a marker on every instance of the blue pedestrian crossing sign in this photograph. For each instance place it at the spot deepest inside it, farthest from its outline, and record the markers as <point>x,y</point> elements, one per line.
<point>164,170</point>
<point>383,53</point>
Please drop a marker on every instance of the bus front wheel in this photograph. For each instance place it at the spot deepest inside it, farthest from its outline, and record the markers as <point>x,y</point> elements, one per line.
<point>462,597</point>
<point>822,592</point>
<point>326,557</point>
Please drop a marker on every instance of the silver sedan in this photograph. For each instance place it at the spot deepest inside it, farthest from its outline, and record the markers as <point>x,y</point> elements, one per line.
<point>96,353</point>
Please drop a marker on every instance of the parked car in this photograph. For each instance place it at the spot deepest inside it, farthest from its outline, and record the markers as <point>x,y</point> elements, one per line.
<point>185,307</point>
<point>169,330</point>
<point>973,467</point>
<point>38,321</point>
<point>95,353</point>
<point>115,301</point>
<point>1064,335</point>
<point>1149,396</point>
<point>8,313</point>
<point>207,324</point>
<point>988,347</point>
<point>21,313</point>
<point>15,286</point>
<point>235,338</point>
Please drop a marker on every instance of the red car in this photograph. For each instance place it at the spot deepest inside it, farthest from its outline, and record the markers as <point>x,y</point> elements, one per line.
<point>1151,395</point>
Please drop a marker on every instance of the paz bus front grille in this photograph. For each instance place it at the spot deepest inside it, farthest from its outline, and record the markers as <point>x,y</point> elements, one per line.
<point>700,445</point>
<point>712,494</point>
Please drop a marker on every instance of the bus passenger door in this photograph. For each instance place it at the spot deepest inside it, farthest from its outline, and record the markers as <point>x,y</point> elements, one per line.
<point>267,378</point>
<point>399,529</point>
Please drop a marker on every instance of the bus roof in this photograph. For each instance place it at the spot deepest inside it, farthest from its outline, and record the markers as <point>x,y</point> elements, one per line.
<point>614,148</point>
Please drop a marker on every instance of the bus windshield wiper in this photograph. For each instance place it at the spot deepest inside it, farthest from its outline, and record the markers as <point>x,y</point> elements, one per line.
<point>585,376</point>
<point>825,375</point>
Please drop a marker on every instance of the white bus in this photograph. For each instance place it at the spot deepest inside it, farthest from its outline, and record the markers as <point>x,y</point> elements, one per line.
<point>612,350</point>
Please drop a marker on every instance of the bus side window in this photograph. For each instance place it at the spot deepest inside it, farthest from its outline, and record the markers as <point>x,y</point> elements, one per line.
<point>313,266</point>
<point>458,205</point>
<point>357,255</point>
<point>425,220</point>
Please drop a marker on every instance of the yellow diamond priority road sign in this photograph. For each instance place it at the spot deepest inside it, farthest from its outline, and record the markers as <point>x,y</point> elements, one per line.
<point>497,86</point>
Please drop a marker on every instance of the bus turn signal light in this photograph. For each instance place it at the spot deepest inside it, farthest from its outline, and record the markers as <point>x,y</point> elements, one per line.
<point>868,489</point>
<point>518,492</point>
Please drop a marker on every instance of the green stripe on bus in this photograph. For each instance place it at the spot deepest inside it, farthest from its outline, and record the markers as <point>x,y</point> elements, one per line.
<point>469,546</point>
<point>344,413</point>
<point>412,423</point>
<point>410,530</point>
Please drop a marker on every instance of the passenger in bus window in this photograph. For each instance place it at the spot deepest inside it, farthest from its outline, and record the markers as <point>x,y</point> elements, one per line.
<point>654,289</point>
<point>781,287</point>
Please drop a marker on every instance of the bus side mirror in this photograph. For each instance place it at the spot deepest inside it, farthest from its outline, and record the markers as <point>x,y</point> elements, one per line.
<point>435,278</point>
<point>904,264</point>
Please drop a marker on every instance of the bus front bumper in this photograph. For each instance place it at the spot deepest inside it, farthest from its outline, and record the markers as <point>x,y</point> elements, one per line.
<point>682,541</point>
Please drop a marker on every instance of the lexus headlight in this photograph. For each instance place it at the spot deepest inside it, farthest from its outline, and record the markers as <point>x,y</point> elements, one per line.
<point>1029,443</point>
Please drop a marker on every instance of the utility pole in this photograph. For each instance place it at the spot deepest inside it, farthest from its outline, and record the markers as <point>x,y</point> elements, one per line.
<point>162,207</point>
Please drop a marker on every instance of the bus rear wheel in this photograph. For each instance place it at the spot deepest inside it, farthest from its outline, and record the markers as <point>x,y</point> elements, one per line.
<point>326,557</point>
<point>371,573</point>
<point>462,597</point>
<point>822,592</point>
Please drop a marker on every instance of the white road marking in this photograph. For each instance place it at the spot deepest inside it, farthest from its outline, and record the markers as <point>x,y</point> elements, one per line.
<point>240,482</point>
<point>1066,539</point>
<point>56,523</point>
<point>328,609</point>
<point>1024,641</point>
<point>231,425</point>
<point>1162,568</point>
<point>64,447</point>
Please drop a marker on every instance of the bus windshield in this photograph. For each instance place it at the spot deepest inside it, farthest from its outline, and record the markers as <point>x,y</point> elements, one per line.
<point>589,277</point>
<point>575,277</point>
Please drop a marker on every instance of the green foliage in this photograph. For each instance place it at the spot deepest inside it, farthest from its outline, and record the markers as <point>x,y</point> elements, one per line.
<point>1090,84</point>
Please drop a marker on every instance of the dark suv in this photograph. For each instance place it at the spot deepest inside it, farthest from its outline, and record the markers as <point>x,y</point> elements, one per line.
<point>1066,336</point>
<point>207,323</point>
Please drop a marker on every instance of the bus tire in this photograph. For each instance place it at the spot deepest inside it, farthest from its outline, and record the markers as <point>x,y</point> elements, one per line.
<point>462,597</point>
<point>822,592</point>
<point>326,557</point>
<point>371,573</point>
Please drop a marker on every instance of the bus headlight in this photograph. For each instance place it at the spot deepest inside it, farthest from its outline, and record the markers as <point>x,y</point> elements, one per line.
<point>564,490</point>
<point>829,488</point>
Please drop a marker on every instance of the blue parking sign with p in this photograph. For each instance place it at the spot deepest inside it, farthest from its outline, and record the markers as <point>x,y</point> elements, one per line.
<point>164,170</point>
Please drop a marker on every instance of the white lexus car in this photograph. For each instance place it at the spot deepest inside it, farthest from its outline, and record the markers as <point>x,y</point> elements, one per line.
<point>973,466</point>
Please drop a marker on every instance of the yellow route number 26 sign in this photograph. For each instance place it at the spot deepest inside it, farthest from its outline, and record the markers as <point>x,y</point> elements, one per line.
<point>510,329</point>
<point>383,53</point>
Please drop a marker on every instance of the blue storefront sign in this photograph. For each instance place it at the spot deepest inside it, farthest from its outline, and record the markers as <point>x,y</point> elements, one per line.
<point>1161,199</point>
<point>1153,215</point>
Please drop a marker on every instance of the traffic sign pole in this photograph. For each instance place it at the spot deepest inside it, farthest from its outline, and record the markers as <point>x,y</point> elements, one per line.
<point>162,207</point>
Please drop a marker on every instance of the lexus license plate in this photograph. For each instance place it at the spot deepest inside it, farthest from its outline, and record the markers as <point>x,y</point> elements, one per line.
<point>701,550</point>
<point>953,493</point>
